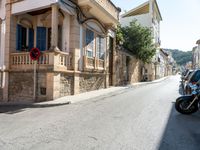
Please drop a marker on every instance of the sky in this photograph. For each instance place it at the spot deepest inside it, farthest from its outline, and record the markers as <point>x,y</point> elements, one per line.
<point>180,28</point>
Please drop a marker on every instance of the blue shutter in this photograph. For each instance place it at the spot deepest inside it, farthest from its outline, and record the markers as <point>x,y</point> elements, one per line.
<point>19,38</point>
<point>31,39</point>
<point>41,38</point>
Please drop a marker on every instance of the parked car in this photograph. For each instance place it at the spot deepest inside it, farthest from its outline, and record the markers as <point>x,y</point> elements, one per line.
<point>192,79</point>
<point>186,76</point>
<point>185,72</point>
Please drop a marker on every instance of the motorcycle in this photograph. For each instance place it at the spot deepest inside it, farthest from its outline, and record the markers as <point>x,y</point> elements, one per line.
<point>189,104</point>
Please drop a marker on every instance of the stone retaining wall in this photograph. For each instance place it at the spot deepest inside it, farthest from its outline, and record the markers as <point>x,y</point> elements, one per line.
<point>1,94</point>
<point>91,82</point>
<point>127,69</point>
<point>21,87</point>
<point>66,85</point>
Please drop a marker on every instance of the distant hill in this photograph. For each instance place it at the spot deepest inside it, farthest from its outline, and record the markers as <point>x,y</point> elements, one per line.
<point>181,57</point>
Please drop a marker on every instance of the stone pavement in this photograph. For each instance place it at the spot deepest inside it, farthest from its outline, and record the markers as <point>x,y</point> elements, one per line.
<point>83,96</point>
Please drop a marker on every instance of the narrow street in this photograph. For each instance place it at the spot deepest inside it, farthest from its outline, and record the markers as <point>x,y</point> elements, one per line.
<point>141,118</point>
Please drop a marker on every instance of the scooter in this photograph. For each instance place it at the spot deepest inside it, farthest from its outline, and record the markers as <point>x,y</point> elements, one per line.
<point>189,104</point>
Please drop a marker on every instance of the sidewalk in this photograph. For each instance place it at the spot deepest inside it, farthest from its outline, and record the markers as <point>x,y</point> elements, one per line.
<point>83,96</point>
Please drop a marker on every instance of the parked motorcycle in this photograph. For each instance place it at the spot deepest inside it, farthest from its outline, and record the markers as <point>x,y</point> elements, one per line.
<point>189,104</point>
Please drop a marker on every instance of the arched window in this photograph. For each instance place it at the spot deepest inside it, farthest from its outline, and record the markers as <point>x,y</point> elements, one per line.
<point>24,35</point>
<point>95,41</point>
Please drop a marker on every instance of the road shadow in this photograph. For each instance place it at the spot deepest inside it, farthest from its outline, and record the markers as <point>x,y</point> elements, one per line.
<point>13,109</point>
<point>182,132</point>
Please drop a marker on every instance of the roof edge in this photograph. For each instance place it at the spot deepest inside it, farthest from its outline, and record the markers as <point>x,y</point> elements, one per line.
<point>134,9</point>
<point>158,10</point>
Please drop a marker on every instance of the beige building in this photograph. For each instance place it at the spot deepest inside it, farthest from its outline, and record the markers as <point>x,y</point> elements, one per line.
<point>127,69</point>
<point>76,39</point>
<point>196,56</point>
<point>161,66</point>
<point>148,15</point>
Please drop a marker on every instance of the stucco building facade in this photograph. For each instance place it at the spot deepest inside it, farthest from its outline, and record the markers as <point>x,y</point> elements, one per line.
<point>196,56</point>
<point>76,39</point>
<point>148,15</point>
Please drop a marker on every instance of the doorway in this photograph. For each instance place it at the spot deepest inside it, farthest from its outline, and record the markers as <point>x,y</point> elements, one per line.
<point>110,61</point>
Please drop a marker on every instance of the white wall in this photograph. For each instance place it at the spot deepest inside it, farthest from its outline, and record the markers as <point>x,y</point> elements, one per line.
<point>2,32</point>
<point>31,5</point>
<point>2,9</point>
<point>156,30</point>
<point>144,20</point>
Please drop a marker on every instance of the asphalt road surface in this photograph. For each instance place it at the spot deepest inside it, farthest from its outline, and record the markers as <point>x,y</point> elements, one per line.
<point>141,118</point>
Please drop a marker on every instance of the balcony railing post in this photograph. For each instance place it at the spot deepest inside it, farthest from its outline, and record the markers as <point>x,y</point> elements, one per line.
<point>96,63</point>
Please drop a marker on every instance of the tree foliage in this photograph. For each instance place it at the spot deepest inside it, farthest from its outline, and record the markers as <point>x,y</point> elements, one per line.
<point>181,57</point>
<point>138,40</point>
<point>119,35</point>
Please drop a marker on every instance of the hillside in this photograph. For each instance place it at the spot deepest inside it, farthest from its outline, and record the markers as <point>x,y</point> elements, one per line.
<point>181,57</point>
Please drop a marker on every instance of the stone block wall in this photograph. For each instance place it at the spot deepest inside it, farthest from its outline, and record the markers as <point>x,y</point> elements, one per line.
<point>21,87</point>
<point>150,71</point>
<point>127,68</point>
<point>135,74</point>
<point>1,78</point>
<point>120,69</point>
<point>90,82</point>
<point>66,85</point>
<point>41,87</point>
<point>1,94</point>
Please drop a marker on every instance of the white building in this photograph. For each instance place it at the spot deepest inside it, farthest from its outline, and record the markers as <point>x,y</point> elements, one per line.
<point>2,39</point>
<point>148,15</point>
<point>196,56</point>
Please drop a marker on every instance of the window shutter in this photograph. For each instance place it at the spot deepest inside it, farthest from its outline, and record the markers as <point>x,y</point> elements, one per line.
<point>31,39</point>
<point>60,37</point>
<point>19,38</point>
<point>41,38</point>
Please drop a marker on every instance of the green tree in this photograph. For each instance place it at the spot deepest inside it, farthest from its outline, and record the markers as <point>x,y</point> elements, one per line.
<point>119,35</point>
<point>181,57</point>
<point>138,40</point>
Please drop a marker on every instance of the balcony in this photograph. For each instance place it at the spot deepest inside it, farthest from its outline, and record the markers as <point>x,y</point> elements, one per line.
<point>104,10</point>
<point>48,61</point>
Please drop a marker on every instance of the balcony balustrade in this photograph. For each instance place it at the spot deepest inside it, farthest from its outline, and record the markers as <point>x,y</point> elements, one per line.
<point>48,61</point>
<point>93,64</point>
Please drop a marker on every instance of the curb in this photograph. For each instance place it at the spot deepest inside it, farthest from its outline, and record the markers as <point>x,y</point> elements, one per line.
<point>58,103</point>
<point>119,91</point>
<point>34,105</point>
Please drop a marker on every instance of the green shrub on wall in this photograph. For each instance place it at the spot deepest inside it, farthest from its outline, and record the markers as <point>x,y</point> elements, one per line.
<point>138,40</point>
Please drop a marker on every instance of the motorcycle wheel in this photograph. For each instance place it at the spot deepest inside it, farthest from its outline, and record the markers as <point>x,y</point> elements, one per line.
<point>182,104</point>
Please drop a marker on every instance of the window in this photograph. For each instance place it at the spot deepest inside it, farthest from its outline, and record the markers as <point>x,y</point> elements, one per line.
<point>100,49</point>
<point>41,38</point>
<point>60,30</point>
<point>49,38</point>
<point>25,38</point>
<point>95,44</point>
<point>89,42</point>
<point>31,39</point>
